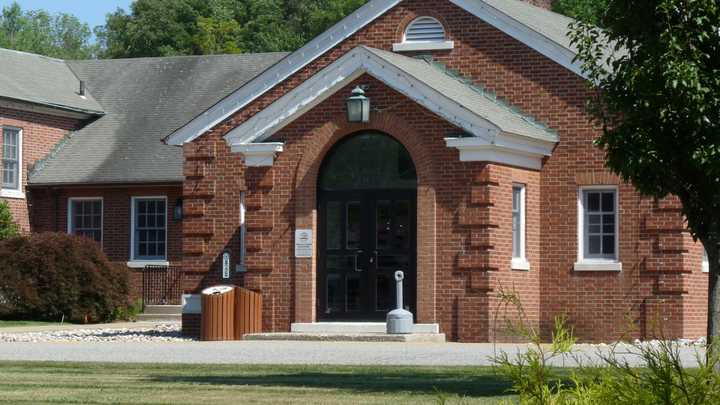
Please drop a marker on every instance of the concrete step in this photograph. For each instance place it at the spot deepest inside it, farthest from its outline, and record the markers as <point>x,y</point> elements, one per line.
<point>163,310</point>
<point>349,337</point>
<point>357,327</point>
<point>159,318</point>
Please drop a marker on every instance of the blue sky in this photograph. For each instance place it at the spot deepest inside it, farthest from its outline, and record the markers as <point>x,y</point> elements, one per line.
<point>90,11</point>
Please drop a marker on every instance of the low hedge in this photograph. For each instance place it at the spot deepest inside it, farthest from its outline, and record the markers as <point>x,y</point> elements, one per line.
<point>51,276</point>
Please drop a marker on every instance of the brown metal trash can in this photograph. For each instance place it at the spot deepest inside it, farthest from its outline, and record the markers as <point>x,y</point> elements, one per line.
<point>218,313</point>
<point>248,312</point>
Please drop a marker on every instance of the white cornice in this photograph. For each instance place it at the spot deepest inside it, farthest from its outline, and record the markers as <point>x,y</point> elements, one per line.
<point>528,156</point>
<point>343,30</point>
<point>258,154</point>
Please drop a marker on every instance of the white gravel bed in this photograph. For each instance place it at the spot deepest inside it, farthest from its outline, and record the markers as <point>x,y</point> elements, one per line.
<point>154,333</point>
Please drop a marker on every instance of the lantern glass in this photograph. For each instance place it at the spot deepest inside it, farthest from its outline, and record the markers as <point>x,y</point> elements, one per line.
<point>358,106</point>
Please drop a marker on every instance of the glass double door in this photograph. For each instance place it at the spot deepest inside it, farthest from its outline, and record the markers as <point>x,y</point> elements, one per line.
<point>365,237</point>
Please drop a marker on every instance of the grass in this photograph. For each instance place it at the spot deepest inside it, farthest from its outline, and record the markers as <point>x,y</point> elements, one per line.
<point>10,324</point>
<point>32,383</point>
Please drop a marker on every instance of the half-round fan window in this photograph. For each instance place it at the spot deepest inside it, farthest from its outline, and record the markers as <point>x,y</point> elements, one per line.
<point>425,29</point>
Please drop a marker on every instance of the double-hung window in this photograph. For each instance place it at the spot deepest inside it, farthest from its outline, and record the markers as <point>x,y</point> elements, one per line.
<point>598,229</point>
<point>11,162</point>
<point>149,229</point>
<point>85,218</point>
<point>519,260</point>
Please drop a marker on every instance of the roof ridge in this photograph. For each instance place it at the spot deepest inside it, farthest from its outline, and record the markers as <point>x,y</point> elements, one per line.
<point>50,58</point>
<point>480,89</point>
<point>146,58</point>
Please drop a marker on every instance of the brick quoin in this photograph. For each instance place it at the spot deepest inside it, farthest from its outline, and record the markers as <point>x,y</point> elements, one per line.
<point>464,217</point>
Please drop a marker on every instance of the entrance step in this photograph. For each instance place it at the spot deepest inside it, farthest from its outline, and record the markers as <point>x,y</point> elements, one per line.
<point>349,337</point>
<point>353,328</point>
<point>161,313</point>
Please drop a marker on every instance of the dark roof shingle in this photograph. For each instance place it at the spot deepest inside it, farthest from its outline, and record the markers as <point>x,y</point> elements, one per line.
<point>144,100</point>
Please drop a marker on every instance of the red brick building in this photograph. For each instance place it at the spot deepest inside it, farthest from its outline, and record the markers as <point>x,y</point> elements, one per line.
<point>470,166</point>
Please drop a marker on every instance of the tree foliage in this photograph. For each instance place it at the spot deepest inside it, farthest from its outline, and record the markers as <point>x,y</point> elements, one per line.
<point>8,228</point>
<point>656,69</point>
<point>57,35</point>
<point>585,10</point>
<point>195,27</point>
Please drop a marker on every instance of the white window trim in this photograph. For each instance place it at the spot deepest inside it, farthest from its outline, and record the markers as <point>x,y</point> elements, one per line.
<point>705,263</point>
<point>240,267</point>
<point>141,263</point>
<point>521,262</point>
<point>18,193</point>
<point>582,263</point>
<point>102,214</point>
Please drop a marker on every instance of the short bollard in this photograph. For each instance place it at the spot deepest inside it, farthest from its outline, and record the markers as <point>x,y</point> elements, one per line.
<point>399,321</point>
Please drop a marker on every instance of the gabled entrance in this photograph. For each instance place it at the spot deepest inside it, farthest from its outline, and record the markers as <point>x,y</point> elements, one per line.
<point>367,210</point>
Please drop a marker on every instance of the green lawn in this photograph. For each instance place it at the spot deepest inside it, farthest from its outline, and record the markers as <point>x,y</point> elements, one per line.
<point>10,324</point>
<point>25,382</point>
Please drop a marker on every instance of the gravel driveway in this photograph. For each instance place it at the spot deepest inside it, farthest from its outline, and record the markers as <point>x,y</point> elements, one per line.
<point>281,352</point>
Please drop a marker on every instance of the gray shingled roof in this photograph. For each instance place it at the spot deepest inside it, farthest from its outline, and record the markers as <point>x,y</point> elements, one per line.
<point>42,80</point>
<point>144,99</point>
<point>551,25</point>
<point>471,97</point>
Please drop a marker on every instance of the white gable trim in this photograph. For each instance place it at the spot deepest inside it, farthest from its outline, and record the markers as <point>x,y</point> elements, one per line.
<point>336,76</point>
<point>343,30</point>
<point>521,32</point>
<point>487,143</point>
<point>280,71</point>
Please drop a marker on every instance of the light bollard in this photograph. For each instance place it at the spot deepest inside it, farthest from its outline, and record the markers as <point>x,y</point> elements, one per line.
<point>399,321</point>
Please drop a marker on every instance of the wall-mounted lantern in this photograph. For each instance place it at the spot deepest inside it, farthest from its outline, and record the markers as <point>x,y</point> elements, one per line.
<point>358,106</point>
<point>178,210</point>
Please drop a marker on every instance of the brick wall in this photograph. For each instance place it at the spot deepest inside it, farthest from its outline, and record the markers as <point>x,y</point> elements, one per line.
<point>49,214</point>
<point>463,239</point>
<point>40,134</point>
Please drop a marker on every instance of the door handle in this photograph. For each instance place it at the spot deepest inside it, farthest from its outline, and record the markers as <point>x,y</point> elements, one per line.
<point>359,252</point>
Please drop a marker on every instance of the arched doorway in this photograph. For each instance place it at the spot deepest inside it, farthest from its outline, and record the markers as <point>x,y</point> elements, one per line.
<point>367,211</point>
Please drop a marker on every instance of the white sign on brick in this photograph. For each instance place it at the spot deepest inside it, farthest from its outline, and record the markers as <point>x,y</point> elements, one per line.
<point>303,243</point>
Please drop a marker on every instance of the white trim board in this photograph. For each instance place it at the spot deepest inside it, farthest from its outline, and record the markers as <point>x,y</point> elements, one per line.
<point>343,30</point>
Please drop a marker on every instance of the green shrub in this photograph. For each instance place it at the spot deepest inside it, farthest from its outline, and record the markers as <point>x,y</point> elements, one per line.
<point>661,379</point>
<point>129,312</point>
<point>52,276</point>
<point>8,228</point>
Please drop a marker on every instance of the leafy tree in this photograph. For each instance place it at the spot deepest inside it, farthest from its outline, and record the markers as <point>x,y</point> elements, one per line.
<point>37,31</point>
<point>585,10</point>
<point>658,102</point>
<point>196,27</point>
<point>8,228</point>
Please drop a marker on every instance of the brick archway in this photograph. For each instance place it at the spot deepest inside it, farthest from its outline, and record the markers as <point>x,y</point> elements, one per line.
<point>322,140</point>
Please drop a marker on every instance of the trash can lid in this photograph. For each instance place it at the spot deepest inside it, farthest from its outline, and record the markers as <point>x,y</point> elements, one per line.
<point>217,290</point>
